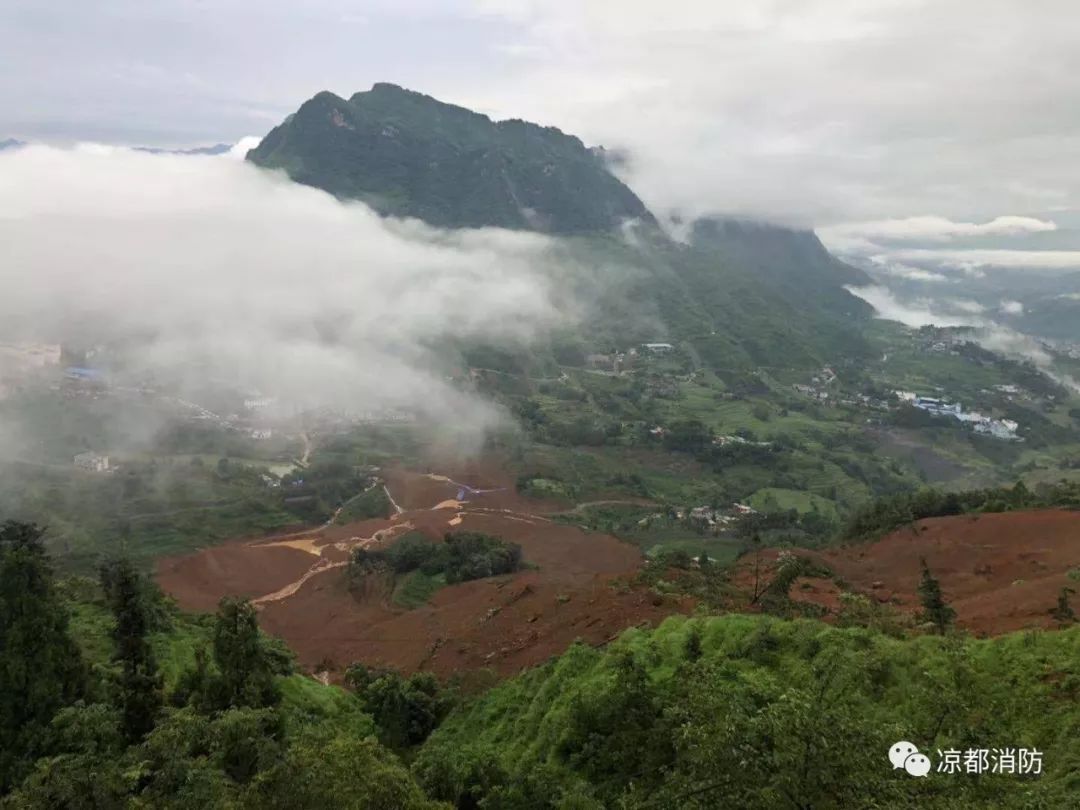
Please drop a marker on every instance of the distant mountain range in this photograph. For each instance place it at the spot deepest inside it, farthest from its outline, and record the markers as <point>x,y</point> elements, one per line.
<point>216,149</point>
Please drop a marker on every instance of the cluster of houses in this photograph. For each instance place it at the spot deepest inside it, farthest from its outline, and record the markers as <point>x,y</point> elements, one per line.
<point>619,362</point>
<point>708,517</point>
<point>724,441</point>
<point>816,389</point>
<point>866,401</point>
<point>980,423</point>
<point>92,462</point>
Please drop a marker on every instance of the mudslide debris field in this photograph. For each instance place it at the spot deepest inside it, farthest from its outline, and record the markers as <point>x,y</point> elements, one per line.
<point>577,585</point>
<point>1000,572</point>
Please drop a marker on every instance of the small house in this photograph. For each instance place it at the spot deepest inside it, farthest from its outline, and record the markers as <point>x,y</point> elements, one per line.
<point>92,462</point>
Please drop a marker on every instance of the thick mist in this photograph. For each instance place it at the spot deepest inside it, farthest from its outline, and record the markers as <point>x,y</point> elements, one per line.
<point>208,268</point>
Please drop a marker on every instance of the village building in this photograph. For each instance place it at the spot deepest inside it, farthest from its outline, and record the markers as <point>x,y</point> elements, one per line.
<point>258,403</point>
<point>92,462</point>
<point>599,361</point>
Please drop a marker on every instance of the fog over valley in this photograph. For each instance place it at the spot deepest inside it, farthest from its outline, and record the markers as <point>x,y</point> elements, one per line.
<point>207,268</point>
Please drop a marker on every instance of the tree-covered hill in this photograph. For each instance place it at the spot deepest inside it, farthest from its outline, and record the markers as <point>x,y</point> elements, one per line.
<point>407,154</point>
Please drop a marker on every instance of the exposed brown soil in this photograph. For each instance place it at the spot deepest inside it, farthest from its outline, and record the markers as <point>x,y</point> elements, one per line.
<point>1000,572</point>
<point>579,588</point>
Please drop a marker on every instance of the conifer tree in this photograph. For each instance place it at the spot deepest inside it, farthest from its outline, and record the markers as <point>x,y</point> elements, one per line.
<point>41,668</point>
<point>139,685</point>
<point>246,672</point>
<point>1063,613</point>
<point>935,609</point>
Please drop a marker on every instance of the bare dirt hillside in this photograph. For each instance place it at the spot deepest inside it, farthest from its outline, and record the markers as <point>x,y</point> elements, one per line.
<point>579,587</point>
<point>1000,572</point>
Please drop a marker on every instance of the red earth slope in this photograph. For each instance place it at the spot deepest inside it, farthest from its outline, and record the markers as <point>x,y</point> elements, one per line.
<point>1000,572</point>
<point>579,588</point>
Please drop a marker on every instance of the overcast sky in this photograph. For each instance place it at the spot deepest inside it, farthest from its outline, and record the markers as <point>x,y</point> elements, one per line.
<point>816,112</point>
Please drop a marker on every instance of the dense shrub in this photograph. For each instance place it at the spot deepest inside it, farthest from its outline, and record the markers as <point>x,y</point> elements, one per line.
<point>461,556</point>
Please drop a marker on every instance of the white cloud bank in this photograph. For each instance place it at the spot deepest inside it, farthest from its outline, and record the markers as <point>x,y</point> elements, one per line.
<point>961,259</point>
<point>865,237</point>
<point>811,111</point>
<point>959,312</point>
<point>220,266</point>
<point>918,312</point>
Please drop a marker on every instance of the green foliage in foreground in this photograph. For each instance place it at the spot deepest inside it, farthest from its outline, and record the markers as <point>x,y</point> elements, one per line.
<point>731,711</point>
<point>41,669</point>
<point>406,710</point>
<point>238,731</point>
<point>754,712</point>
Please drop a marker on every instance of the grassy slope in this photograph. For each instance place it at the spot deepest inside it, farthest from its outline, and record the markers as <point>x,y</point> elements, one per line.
<point>304,700</point>
<point>416,588</point>
<point>1017,690</point>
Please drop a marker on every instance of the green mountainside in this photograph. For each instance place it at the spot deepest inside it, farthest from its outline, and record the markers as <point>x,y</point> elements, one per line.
<point>752,712</point>
<point>407,154</point>
<point>741,293</point>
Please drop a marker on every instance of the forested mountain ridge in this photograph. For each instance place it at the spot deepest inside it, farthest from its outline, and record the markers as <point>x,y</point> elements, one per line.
<point>407,154</point>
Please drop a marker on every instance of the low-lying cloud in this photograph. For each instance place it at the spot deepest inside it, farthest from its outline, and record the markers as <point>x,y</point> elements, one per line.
<point>961,259</point>
<point>242,274</point>
<point>918,312</point>
<point>930,229</point>
<point>953,312</point>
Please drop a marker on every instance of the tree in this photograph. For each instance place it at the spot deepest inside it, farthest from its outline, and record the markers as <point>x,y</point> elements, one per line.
<point>246,673</point>
<point>139,683</point>
<point>935,609</point>
<point>41,668</point>
<point>689,436</point>
<point>1063,613</point>
<point>344,771</point>
<point>406,710</point>
<point>758,588</point>
<point>85,767</point>
<point>613,729</point>
<point>692,644</point>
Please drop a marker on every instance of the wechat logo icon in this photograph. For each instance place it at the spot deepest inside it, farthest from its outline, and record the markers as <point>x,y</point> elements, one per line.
<point>905,755</point>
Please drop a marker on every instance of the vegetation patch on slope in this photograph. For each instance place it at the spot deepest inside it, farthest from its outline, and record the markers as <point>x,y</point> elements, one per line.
<point>747,711</point>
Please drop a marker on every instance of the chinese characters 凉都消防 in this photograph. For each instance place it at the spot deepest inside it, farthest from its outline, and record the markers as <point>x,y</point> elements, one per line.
<point>1024,761</point>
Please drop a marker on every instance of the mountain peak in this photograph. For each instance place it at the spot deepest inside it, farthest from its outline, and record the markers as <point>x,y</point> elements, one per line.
<point>408,154</point>
<point>389,88</point>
